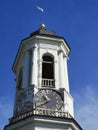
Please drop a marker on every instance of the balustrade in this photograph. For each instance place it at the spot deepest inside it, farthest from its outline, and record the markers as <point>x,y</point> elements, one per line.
<point>48,82</point>
<point>43,112</point>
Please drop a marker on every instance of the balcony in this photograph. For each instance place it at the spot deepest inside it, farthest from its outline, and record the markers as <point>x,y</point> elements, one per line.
<point>48,83</point>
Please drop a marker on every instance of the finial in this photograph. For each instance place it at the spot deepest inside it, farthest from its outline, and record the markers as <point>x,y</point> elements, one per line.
<point>42,26</point>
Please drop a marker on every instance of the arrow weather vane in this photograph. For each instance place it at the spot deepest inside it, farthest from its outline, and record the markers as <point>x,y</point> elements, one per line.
<point>39,8</point>
<point>42,11</point>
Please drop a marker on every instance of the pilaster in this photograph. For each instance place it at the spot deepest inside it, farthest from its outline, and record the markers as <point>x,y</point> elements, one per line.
<point>61,70</point>
<point>26,71</point>
<point>34,67</point>
<point>66,74</point>
<point>56,74</point>
<point>39,73</point>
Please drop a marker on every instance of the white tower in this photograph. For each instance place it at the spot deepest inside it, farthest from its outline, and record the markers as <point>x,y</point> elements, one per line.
<point>43,100</point>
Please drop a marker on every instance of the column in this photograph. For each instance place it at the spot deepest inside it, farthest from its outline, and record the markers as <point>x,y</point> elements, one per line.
<point>40,73</point>
<point>34,67</point>
<point>66,74</point>
<point>61,70</point>
<point>26,67</point>
<point>56,74</point>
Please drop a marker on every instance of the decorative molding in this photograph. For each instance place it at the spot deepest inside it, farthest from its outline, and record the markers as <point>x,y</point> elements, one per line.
<point>41,112</point>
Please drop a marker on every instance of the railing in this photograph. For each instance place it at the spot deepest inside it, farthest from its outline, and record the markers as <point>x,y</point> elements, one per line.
<point>48,82</point>
<point>42,112</point>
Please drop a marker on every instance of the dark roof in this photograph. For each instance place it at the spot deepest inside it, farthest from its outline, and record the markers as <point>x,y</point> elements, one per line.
<point>43,31</point>
<point>47,33</point>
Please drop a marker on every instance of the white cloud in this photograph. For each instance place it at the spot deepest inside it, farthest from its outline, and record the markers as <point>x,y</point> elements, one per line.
<point>87,109</point>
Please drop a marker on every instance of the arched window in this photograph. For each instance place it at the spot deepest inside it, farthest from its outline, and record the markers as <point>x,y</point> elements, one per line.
<point>47,71</point>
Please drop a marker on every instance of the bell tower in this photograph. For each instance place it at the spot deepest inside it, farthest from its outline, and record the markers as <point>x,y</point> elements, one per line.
<point>43,100</point>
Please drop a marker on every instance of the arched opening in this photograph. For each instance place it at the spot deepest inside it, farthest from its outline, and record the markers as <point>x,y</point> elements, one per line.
<point>47,71</point>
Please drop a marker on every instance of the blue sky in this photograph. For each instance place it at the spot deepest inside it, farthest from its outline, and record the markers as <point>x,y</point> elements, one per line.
<point>77,21</point>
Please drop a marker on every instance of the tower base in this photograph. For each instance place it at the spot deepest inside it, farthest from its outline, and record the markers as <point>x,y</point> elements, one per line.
<point>33,121</point>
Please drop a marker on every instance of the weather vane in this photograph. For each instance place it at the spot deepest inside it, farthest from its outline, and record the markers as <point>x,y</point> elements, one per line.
<point>39,8</point>
<point>42,11</point>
